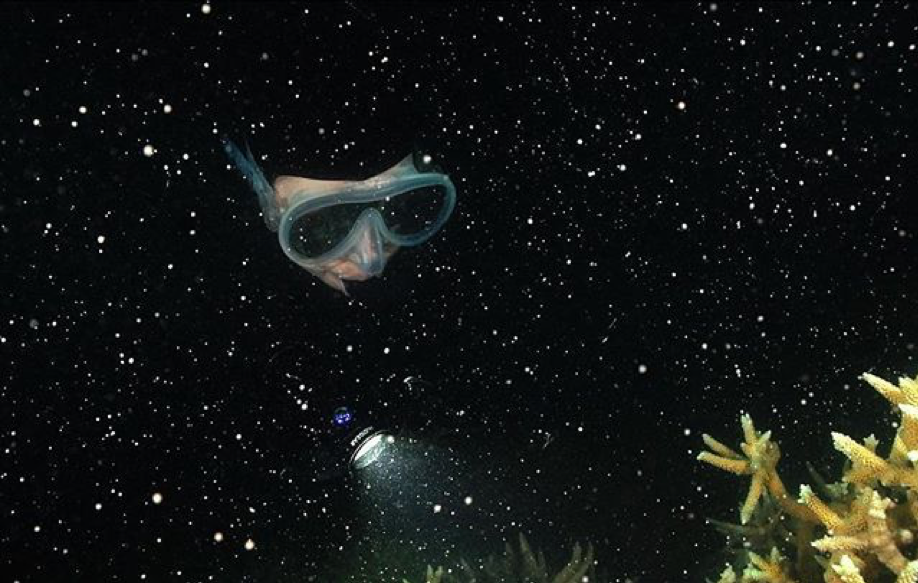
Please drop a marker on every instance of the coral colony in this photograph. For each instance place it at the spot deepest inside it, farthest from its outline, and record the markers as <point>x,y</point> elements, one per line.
<point>520,566</point>
<point>858,530</point>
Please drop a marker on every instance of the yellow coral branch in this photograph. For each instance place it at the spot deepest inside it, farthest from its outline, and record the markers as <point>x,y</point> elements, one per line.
<point>826,515</point>
<point>881,539</point>
<point>719,448</point>
<point>860,456</point>
<point>907,436</point>
<point>840,544</point>
<point>727,575</point>
<point>847,571</point>
<point>909,574</point>
<point>770,570</point>
<point>735,466</point>
<point>875,537</point>
<point>761,458</point>
<point>890,392</point>
<point>752,497</point>
<point>788,504</point>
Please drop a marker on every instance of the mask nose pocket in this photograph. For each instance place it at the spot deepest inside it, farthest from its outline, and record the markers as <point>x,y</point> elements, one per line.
<point>368,252</point>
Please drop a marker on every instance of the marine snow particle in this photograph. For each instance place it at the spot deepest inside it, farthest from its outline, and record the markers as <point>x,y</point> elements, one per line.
<point>218,537</point>
<point>148,151</point>
<point>157,498</point>
<point>249,545</point>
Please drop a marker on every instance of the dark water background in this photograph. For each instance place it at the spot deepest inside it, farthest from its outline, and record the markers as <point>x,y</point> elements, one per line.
<point>621,274</point>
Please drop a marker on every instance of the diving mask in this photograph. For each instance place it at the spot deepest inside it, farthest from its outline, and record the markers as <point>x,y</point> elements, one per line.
<point>324,224</point>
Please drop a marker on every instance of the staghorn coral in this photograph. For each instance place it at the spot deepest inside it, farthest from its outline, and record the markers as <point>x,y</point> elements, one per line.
<point>869,533</point>
<point>519,566</point>
<point>773,569</point>
<point>433,576</point>
<point>858,530</point>
<point>768,528</point>
<point>760,461</point>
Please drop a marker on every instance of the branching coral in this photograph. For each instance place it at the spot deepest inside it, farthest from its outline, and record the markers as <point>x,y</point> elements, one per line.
<point>870,535</point>
<point>773,569</point>
<point>767,528</point>
<point>519,566</point>
<point>867,521</point>
<point>898,468</point>
<point>760,461</point>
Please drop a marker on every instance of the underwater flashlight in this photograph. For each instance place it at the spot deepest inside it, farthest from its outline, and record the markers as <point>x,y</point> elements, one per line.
<point>360,444</point>
<point>366,447</point>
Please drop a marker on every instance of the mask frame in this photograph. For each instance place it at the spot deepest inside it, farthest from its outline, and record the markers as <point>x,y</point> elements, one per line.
<point>398,180</point>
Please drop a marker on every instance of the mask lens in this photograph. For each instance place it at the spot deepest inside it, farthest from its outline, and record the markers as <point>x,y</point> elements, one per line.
<point>413,212</point>
<point>406,214</point>
<point>318,232</point>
